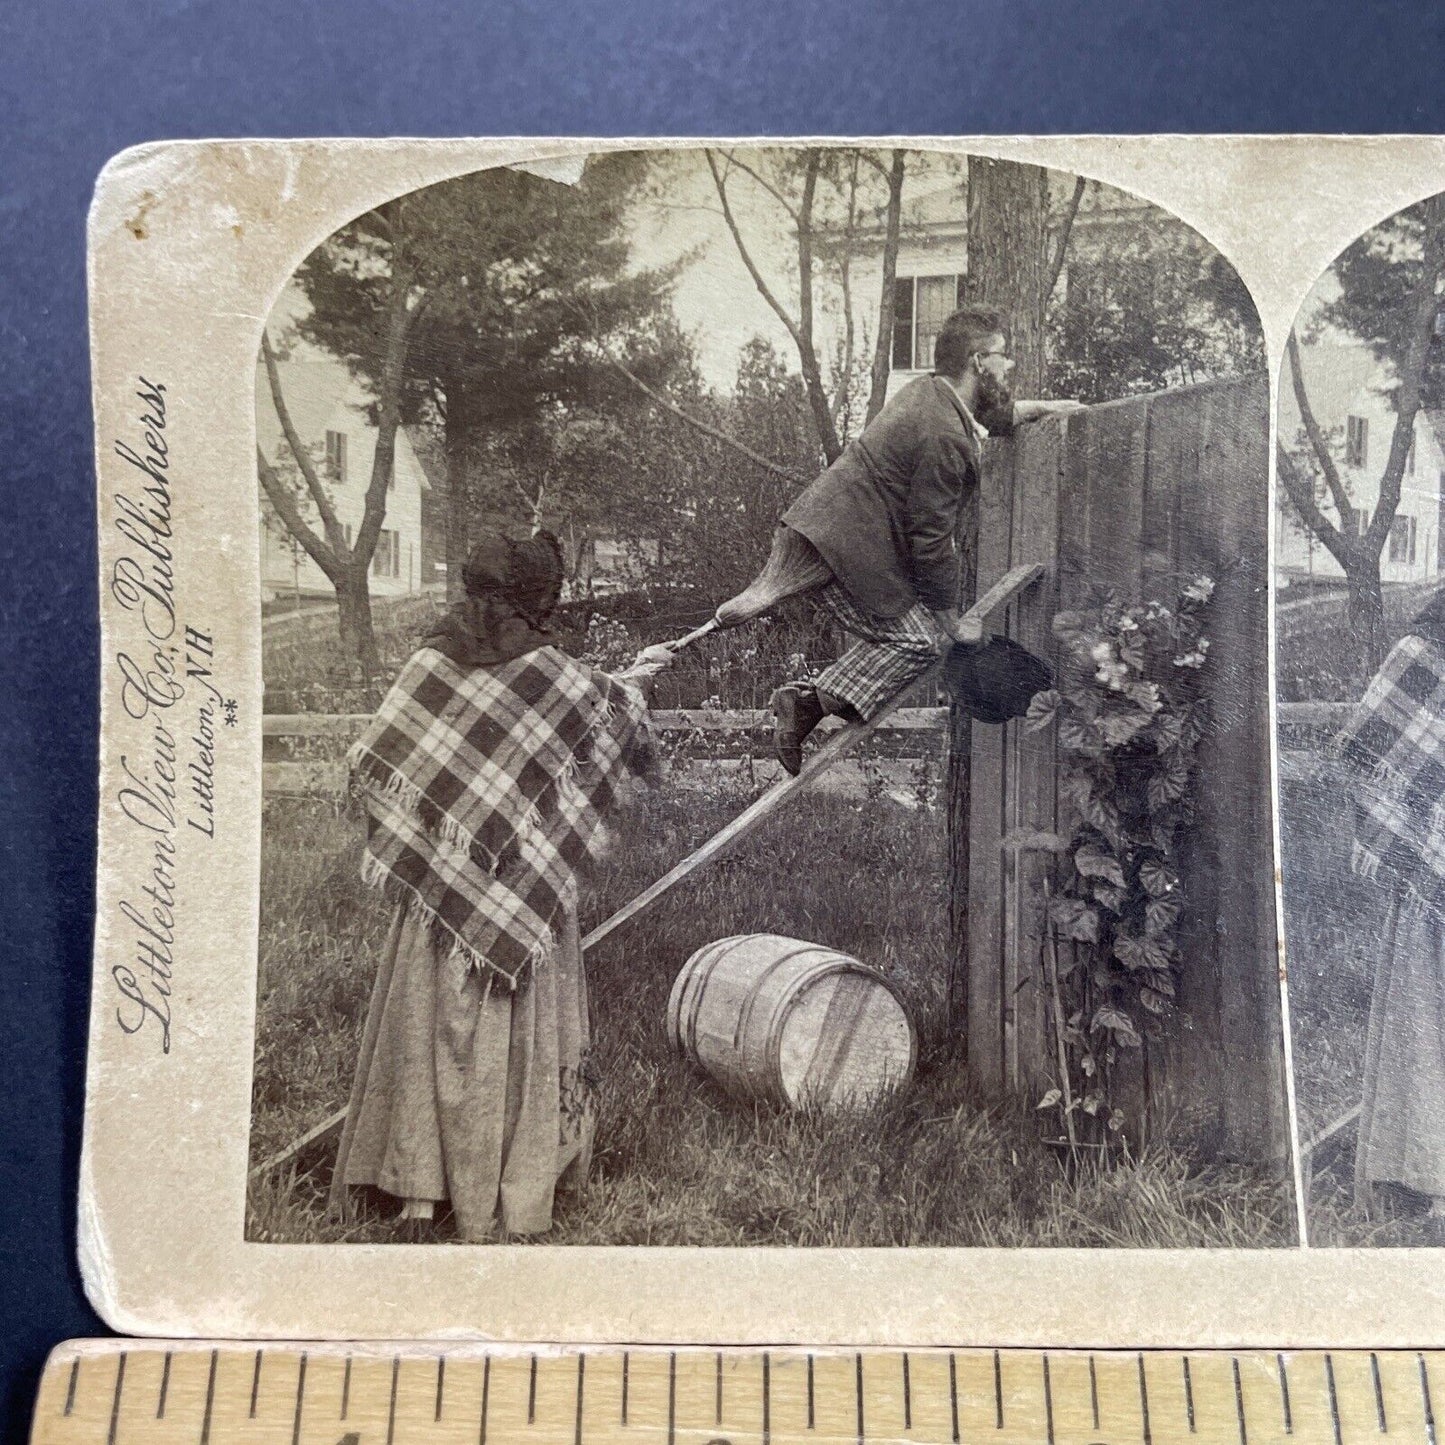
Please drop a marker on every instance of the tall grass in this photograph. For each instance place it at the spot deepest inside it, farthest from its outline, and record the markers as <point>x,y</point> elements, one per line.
<point>677,1162</point>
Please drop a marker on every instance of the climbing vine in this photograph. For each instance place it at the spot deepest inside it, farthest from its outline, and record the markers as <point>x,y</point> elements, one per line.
<point>1130,712</point>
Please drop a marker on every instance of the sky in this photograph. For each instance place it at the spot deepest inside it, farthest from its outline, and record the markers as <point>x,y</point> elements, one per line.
<point>715,299</point>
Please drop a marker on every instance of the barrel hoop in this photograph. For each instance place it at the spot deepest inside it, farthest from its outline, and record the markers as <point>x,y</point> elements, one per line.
<point>699,975</point>
<point>745,1014</point>
<point>845,1008</point>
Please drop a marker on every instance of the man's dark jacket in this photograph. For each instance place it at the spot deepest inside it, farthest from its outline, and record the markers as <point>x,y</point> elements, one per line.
<point>885,513</point>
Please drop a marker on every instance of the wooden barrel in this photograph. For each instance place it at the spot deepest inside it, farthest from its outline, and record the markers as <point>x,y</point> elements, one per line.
<point>790,1021</point>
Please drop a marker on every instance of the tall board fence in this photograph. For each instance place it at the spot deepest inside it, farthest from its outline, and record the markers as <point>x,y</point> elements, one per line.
<point>1140,496</point>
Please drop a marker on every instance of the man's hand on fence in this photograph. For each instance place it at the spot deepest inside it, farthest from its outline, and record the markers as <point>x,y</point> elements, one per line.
<point>966,631</point>
<point>1027,411</point>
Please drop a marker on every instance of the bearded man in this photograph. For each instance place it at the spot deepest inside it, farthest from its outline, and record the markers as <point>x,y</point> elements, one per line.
<point>873,538</point>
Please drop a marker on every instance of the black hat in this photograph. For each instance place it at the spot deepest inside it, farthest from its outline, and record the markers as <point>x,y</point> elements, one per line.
<point>996,681</point>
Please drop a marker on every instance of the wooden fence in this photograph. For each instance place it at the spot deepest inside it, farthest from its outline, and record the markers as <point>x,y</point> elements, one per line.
<point>1139,496</point>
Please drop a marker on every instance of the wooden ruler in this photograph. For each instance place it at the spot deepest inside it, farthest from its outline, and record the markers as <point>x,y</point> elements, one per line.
<point>129,1392</point>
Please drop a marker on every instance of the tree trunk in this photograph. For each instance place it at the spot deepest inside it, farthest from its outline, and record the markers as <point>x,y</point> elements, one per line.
<point>1006,243</point>
<point>358,638</point>
<point>1006,268</point>
<point>1365,611</point>
<point>461,431</point>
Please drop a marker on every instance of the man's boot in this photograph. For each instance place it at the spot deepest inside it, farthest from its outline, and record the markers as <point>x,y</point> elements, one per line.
<point>796,711</point>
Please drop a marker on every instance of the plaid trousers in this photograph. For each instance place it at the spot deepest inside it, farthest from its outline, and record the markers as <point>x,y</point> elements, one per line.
<point>892,652</point>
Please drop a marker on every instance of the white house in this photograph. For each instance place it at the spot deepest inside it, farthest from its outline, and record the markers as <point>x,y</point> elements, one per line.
<point>329,411</point>
<point>1352,397</point>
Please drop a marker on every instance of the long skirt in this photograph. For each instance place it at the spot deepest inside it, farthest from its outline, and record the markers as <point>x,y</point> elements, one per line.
<point>1402,1116</point>
<point>469,1092</point>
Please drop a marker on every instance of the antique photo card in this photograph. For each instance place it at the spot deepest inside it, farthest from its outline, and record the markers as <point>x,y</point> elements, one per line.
<point>687,743</point>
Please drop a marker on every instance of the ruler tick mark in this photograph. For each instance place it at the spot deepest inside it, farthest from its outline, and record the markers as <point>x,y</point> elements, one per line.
<point>953,1394</point>
<point>1188,1398</point>
<point>532,1392</point>
<point>672,1398</point>
<point>210,1401</point>
<point>1425,1397</point>
<point>1334,1397</point>
<point>441,1384</point>
<point>115,1401</point>
<point>1144,1404</point>
<point>767,1399</point>
<point>1284,1395</point>
<point>997,1392</point>
<point>70,1388</point>
<point>810,1391</point>
<point>346,1387</point>
<point>1094,1391</point>
<point>486,1395</point>
<point>1048,1402</point>
<point>1379,1392</point>
<point>858,1390</point>
<point>581,1377</point>
<point>300,1395</point>
<point>165,1386</point>
<point>907,1393</point>
<point>717,1392</point>
<point>391,1409</point>
<point>1239,1400</point>
<point>625,1363</point>
<point>255,1383</point>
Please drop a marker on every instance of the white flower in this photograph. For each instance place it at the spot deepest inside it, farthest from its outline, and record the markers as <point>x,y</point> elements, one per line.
<point>1102,652</point>
<point>1127,624</point>
<point>1113,675</point>
<point>1200,590</point>
<point>1190,659</point>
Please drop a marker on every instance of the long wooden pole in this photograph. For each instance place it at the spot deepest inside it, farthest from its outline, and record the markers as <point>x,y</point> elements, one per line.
<point>842,742</point>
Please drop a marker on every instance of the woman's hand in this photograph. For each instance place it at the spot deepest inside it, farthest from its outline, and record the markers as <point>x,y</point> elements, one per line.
<point>648,663</point>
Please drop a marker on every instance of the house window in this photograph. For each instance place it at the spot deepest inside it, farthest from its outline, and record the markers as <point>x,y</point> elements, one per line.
<point>336,455</point>
<point>386,560</point>
<point>1402,540</point>
<point>921,304</point>
<point>1357,441</point>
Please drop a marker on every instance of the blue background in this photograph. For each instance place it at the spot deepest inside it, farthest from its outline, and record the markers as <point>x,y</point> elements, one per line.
<point>79,82</point>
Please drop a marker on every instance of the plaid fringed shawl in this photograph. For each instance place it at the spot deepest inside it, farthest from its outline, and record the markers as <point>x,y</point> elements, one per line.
<point>1395,745</point>
<point>485,789</point>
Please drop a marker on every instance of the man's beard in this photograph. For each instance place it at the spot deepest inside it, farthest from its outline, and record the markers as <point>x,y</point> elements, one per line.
<point>994,394</point>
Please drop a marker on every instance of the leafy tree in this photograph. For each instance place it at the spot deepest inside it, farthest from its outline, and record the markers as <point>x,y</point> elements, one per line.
<point>398,302</point>
<point>524,279</point>
<point>1148,304</point>
<point>1388,296</point>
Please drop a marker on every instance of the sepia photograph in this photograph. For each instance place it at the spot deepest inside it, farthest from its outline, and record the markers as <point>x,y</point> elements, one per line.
<point>765,717</point>
<point>1361,686</point>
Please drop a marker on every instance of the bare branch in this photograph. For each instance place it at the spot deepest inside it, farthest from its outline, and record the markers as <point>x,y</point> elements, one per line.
<point>1318,442</point>
<point>763,289</point>
<point>400,314</point>
<point>1066,226</point>
<point>840,400</point>
<point>883,350</point>
<point>1300,490</point>
<point>279,495</point>
<point>1423,306</point>
<point>335,536</point>
<point>697,423</point>
<point>767,185</point>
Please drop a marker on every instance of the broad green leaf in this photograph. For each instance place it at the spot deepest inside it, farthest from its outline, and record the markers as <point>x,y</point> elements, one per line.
<point>1093,862</point>
<point>1050,1099</point>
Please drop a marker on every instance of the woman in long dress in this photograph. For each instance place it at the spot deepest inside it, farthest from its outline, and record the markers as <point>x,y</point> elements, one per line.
<point>486,776</point>
<point>1395,747</point>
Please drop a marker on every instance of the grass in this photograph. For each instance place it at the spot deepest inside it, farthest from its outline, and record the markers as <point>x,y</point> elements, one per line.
<point>676,1161</point>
